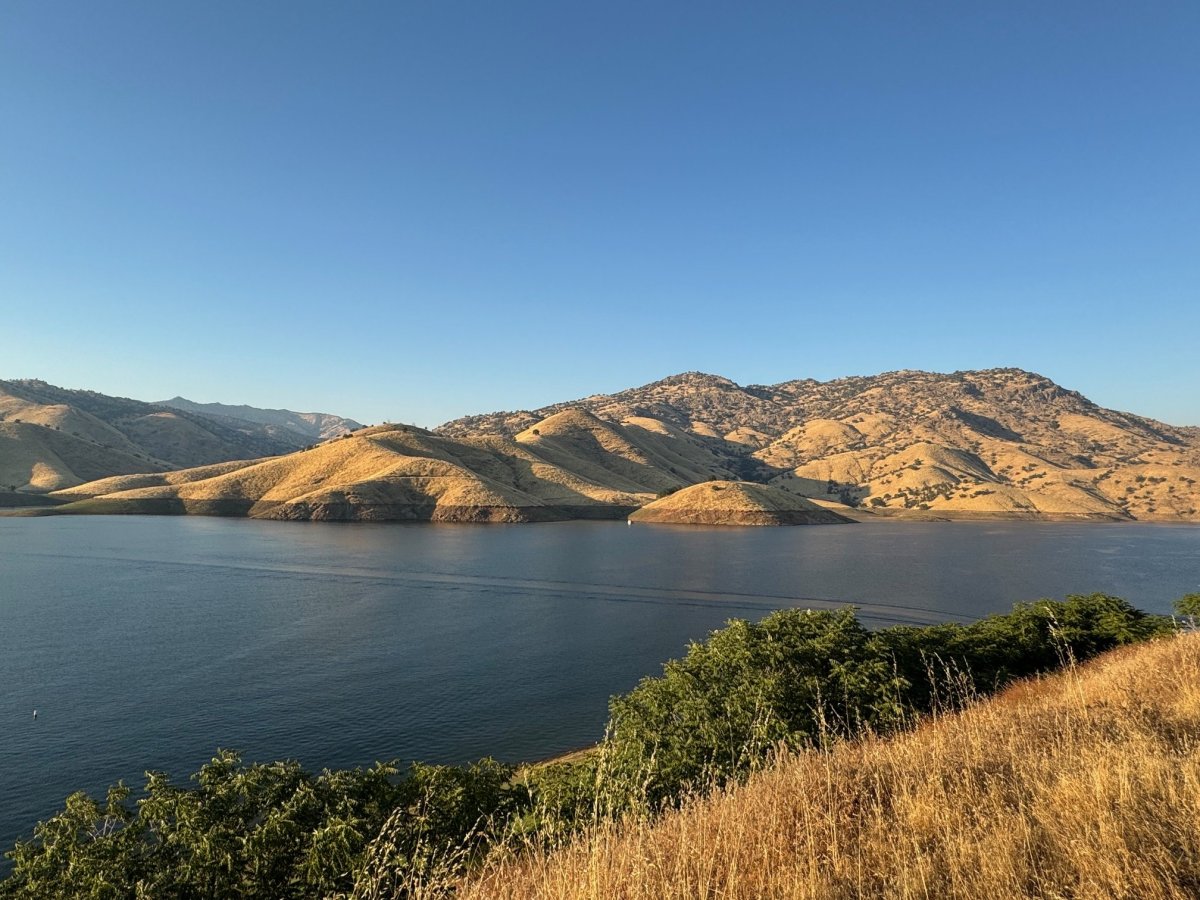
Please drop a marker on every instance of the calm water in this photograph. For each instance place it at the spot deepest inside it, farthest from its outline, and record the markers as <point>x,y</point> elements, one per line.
<point>146,643</point>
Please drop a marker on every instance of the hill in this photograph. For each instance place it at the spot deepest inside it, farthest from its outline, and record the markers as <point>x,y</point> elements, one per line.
<point>308,427</point>
<point>998,442</point>
<point>52,437</point>
<point>735,503</point>
<point>571,465</point>
<point>1083,784</point>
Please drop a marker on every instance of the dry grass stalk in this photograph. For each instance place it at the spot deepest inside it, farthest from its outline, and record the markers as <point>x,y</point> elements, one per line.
<point>1081,785</point>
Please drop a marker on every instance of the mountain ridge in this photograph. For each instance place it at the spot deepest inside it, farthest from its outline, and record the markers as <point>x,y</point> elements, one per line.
<point>909,444</point>
<point>314,426</point>
<point>53,437</point>
<point>992,434</point>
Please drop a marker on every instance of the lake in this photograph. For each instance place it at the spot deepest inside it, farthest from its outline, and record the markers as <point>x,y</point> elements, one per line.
<point>147,643</point>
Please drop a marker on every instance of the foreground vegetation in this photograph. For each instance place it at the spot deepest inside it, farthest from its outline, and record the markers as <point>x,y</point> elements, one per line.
<point>797,683</point>
<point>1084,785</point>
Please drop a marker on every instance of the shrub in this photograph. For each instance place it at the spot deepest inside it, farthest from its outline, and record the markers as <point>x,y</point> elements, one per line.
<point>255,831</point>
<point>795,678</point>
<point>800,677</point>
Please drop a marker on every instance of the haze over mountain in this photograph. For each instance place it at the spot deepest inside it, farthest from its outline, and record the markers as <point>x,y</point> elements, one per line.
<point>1000,442</point>
<point>310,426</point>
<point>52,437</point>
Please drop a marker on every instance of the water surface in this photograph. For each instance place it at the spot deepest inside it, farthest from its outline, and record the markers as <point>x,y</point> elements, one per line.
<point>147,643</point>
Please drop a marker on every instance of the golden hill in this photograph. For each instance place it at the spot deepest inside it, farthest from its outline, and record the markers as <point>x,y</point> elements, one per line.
<point>570,465</point>
<point>52,438</point>
<point>1000,442</point>
<point>1085,784</point>
<point>36,458</point>
<point>735,503</point>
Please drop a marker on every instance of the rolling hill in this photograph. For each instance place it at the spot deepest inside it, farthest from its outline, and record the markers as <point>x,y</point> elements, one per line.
<point>735,503</point>
<point>572,465</point>
<point>998,442</point>
<point>993,443</point>
<point>52,437</point>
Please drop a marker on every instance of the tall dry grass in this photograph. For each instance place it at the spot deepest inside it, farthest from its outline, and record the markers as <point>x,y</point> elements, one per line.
<point>1085,784</point>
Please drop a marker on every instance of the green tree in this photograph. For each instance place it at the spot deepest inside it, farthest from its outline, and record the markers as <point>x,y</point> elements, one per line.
<point>1188,606</point>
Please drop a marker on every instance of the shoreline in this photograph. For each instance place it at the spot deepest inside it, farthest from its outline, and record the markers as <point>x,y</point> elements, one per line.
<point>510,516</point>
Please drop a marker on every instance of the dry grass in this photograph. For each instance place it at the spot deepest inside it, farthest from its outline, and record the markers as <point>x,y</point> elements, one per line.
<point>1082,785</point>
<point>735,503</point>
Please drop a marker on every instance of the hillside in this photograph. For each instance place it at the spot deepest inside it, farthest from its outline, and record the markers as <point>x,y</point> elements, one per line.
<point>1084,784</point>
<point>52,437</point>
<point>573,466</point>
<point>735,503</point>
<point>569,465</point>
<point>282,423</point>
<point>1000,442</point>
<point>995,442</point>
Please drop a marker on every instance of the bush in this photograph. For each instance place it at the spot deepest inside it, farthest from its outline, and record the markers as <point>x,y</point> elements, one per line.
<point>800,677</point>
<point>796,678</point>
<point>1188,605</point>
<point>748,687</point>
<point>255,831</point>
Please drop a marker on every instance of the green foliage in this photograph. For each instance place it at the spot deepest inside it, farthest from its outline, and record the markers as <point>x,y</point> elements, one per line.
<point>800,677</point>
<point>748,687</point>
<point>564,795</point>
<point>1188,605</point>
<point>266,831</point>
<point>446,815</point>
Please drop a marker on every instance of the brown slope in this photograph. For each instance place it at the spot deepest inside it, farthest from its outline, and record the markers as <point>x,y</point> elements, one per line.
<point>388,473</point>
<point>735,503</point>
<point>1035,450</point>
<point>994,442</point>
<point>639,454</point>
<point>1083,784</point>
<point>708,405</point>
<point>38,458</point>
<point>99,428</point>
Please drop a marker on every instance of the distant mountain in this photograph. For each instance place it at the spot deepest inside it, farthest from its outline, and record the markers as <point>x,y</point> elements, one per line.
<point>310,426</point>
<point>52,437</point>
<point>999,442</point>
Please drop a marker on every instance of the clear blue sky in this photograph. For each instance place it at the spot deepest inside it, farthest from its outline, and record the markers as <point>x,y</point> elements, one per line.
<point>413,211</point>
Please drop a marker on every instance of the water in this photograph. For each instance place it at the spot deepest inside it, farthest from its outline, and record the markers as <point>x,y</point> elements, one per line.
<point>147,643</point>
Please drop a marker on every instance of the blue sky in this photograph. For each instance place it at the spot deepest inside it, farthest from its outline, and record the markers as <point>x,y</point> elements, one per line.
<point>413,211</point>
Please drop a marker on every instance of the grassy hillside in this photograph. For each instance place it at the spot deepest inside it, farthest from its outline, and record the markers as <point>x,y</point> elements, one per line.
<point>568,466</point>
<point>1084,784</point>
<point>36,458</point>
<point>998,442</point>
<point>994,443</point>
<point>735,503</point>
<point>53,438</point>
